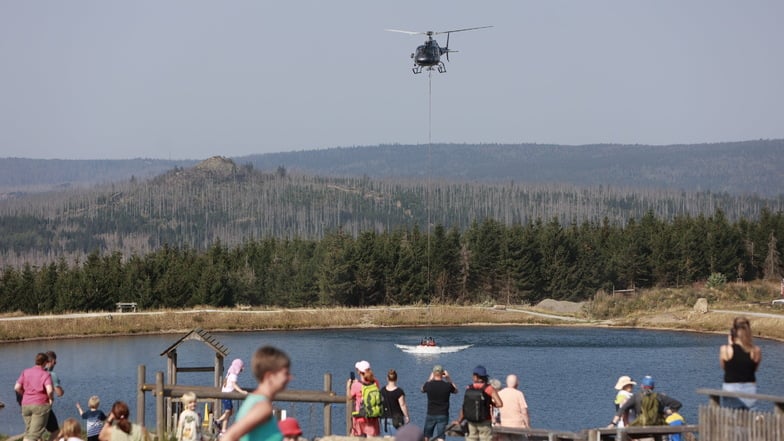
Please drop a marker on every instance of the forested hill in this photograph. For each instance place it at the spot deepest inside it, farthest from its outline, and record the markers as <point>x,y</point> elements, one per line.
<point>737,168</point>
<point>218,201</point>
<point>24,175</point>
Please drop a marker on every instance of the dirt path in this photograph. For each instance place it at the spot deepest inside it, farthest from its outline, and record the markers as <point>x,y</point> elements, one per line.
<point>749,314</point>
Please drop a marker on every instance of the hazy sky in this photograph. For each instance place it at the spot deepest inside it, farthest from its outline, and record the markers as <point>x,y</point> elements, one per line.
<point>196,78</point>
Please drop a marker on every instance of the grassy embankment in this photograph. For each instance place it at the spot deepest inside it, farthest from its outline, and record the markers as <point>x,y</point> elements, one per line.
<point>656,309</point>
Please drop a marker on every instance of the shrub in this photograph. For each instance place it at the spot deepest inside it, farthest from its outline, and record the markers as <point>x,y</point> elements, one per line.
<point>716,280</point>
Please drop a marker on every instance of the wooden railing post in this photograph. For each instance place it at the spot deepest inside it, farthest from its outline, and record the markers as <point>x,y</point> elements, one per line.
<point>140,380</point>
<point>349,409</point>
<point>160,422</point>
<point>327,406</point>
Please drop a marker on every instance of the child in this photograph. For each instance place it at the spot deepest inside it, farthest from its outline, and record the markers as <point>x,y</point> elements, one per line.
<point>290,429</point>
<point>624,386</point>
<point>230,385</point>
<point>673,418</point>
<point>94,417</point>
<point>189,426</point>
<point>71,431</point>
<point>255,421</point>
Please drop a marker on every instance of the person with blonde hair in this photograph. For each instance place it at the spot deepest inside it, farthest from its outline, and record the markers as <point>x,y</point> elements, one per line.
<point>739,359</point>
<point>94,417</point>
<point>71,430</point>
<point>188,423</point>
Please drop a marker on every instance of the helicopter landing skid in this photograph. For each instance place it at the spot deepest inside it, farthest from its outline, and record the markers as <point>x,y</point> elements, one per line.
<point>417,69</point>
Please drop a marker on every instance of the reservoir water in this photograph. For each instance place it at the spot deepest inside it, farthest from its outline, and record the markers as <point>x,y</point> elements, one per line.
<point>566,373</point>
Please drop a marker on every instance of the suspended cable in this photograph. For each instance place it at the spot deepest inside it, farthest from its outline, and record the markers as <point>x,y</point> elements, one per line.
<point>429,165</point>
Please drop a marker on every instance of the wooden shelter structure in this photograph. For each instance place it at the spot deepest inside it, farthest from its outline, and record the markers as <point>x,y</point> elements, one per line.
<point>220,351</point>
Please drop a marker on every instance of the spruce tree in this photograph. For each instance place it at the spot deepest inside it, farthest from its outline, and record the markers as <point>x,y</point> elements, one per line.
<point>772,260</point>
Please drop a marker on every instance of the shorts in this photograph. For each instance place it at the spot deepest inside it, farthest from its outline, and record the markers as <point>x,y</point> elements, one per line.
<point>739,403</point>
<point>227,404</point>
<point>481,431</point>
<point>361,426</point>
<point>435,426</point>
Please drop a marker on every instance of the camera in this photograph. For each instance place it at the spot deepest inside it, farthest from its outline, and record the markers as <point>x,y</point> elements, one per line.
<point>352,376</point>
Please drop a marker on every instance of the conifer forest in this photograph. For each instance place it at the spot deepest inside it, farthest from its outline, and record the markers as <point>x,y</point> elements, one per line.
<point>219,234</point>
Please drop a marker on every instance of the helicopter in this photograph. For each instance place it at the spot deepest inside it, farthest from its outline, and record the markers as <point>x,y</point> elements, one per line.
<point>429,54</point>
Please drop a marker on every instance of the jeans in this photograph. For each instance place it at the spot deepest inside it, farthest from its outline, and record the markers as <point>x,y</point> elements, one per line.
<point>435,426</point>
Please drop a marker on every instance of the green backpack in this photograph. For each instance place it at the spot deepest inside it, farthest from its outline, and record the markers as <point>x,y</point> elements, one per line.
<point>372,405</point>
<point>650,411</point>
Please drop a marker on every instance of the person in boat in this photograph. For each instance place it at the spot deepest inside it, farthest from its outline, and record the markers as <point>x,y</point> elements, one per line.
<point>428,342</point>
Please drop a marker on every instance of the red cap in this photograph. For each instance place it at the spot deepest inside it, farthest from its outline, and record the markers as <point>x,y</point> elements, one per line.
<point>290,427</point>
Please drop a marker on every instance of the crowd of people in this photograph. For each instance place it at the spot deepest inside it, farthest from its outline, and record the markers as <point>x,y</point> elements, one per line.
<point>485,402</point>
<point>739,359</point>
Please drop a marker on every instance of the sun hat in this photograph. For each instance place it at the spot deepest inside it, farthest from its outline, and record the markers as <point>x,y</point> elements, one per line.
<point>362,366</point>
<point>410,432</point>
<point>236,366</point>
<point>647,381</point>
<point>290,427</point>
<point>438,369</point>
<point>480,371</point>
<point>623,381</point>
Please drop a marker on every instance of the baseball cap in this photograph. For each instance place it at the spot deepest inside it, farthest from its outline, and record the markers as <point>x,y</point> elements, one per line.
<point>480,371</point>
<point>647,381</point>
<point>362,366</point>
<point>437,369</point>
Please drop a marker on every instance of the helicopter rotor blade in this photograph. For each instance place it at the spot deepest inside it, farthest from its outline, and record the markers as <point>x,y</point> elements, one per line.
<point>406,32</point>
<point>461,30</point>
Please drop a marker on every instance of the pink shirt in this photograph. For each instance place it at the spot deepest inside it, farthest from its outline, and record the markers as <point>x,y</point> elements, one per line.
<point>34,381</point>
<point>356,393</point>
<point>514,409</point>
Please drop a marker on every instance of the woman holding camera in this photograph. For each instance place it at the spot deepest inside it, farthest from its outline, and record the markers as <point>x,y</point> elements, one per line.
<point>740,358</point>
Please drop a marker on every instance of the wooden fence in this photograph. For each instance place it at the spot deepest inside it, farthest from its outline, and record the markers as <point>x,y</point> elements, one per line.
<point>716,423</point>
<point>161,391</point>
<point>724,424</point>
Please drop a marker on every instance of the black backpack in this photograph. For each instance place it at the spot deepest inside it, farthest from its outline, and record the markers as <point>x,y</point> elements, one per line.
<point>476,405</point>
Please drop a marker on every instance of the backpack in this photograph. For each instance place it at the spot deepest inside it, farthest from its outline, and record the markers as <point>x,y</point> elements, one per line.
<point>372,405</point>
<point>476,405</point>
<point>650,411</point>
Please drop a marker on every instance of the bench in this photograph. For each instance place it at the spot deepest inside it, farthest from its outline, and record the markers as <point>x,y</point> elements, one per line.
<point>126,307</point>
